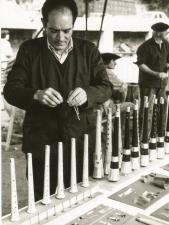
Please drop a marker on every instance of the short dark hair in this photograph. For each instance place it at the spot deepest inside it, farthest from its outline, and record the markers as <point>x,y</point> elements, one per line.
<point>50,5</point>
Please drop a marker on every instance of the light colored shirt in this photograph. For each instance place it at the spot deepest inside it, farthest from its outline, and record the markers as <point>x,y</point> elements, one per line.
<point>61,58</point>
<point>159,42</point>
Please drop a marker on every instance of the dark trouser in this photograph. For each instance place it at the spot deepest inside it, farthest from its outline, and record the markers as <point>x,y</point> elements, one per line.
<point>150,92</point>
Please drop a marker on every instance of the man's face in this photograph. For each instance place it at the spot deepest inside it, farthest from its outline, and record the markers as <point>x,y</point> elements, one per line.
<point>112,64</point>
<point>162,35</point>
<point>59,28</point>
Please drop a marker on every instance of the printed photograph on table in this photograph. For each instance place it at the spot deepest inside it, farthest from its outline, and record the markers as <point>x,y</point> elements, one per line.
<point>144,192</point>
<point>146,220</point>
<point>162,213</point>
<point>102,215</point>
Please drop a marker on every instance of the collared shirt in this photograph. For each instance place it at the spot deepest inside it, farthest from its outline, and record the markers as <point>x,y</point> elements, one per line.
<point>159,42</point>
<point>61,58</point>
<point>156,58</point>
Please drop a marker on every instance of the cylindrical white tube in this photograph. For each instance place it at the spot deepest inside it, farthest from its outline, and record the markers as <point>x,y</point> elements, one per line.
<point>46,191</point>
<point>85,178</point>
<point>160,148</point>
<point>31,195</point>
<point>144,157</point>
<point>73,179</point>
<point>14,198</point>
<point>135,159</point>
<point>114,170</point>
<point>126,162</point>
<point>98,160</point>
<point>60,186</point>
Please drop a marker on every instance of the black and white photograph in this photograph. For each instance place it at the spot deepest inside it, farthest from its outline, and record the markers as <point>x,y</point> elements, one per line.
<point>84,112</point>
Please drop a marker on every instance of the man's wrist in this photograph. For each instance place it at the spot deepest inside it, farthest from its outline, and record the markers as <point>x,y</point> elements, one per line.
<point>35,96</point>
<point>156,74</point>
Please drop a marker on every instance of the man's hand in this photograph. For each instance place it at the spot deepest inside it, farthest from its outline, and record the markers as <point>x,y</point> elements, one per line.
<point>49,97</point>
<point>77,97</point>
<point>163,75</point>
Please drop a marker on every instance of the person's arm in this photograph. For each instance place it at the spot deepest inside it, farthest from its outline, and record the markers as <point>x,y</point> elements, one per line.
<point>142,61</point>
<point>17,91</point>
<point>100,89</point>
<point>146,69</point>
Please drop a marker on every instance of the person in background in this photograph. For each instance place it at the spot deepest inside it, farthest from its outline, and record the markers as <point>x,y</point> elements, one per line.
<point>153,61</point>
<point>54,78</point>
<point>6,52</point>
<point>109,60</point>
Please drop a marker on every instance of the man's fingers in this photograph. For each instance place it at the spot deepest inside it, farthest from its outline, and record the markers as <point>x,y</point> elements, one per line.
<point>47,101</point>
<point>70,94</point>
<point>52,98</point>
<point>79,101</point>
<point>82,102</point>
<point>56,94</point>
<point>48,97</point>
<point>74,94</point>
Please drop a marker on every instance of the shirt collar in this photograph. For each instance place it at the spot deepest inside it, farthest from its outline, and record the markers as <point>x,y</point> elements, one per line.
<point>158,42</point>
<point>61,58</point>
<point>66,51</point>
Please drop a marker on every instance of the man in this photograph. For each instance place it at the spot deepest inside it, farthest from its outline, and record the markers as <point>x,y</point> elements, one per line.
<point>153,59</point>
<point>53,76</point>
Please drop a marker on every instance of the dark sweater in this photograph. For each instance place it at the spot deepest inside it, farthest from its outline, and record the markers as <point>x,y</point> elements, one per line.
<point>150,54</point>
<point>36,68</point>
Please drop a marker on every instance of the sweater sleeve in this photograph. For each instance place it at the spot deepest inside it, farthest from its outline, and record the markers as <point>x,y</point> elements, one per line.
<point>100,89</point>
<point>16,90</point>
<point>142,55</point>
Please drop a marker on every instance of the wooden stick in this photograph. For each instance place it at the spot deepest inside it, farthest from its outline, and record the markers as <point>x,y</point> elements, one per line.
<point>144,157</point>
<point>114,166</point>
<point>85,178</point>
<point>98,160</point>
<point>126,159</point>
<point>108,142</point>
<point>60,187</point>
<point>73,178</point>
<point>161,132</point>
<point>135,140</point>
<point>120,136</point>
<point>14,198</point>
<point>153,134</point>
<point>31,196</point>
<point>46,193</point>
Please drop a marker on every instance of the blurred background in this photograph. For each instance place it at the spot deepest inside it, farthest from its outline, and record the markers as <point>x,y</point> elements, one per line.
<point>125,26</point>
